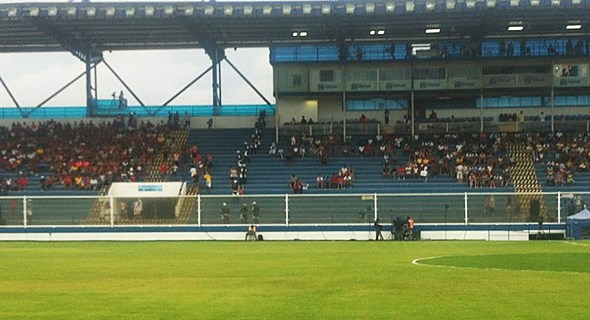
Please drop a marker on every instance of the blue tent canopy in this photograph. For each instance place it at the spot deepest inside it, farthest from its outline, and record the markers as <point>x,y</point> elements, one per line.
<point>575,223</point>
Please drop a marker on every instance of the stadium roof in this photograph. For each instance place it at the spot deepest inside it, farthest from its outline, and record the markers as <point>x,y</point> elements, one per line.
<point>166,25</point>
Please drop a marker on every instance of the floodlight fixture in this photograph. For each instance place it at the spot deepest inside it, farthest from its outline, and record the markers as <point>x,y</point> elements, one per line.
<point>189,10</point>
<point>299,34</point>
<point>287,9</point>
<point>350,8</point>
<point>228,10</point>
<point>390,6</point>
<point>515,28</point>
<point>33,11</point>
<point>432,30</point>
<point>11,12</point>
<point>169,10</point>
<point>70,11</point>
<point>52,11</point>
<point>149,11</point>
<point>91,11</point>
<point>451,4</point>
<point>573,27</point>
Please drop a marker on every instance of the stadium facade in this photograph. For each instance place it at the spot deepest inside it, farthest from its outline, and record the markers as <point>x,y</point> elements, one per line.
<point>468,59</point>
<point>395,61</point>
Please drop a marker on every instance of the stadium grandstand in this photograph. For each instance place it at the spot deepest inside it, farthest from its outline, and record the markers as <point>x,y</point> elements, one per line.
<point>469,115</point>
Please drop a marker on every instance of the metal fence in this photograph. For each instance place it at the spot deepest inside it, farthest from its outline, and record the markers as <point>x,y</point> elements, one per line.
<point>328,209</point>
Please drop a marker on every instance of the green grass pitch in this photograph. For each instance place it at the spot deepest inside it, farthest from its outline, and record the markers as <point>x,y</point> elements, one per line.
<point>295,280</point>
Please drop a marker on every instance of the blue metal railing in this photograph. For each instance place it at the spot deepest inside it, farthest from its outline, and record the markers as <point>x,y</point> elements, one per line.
<point>148,111</point>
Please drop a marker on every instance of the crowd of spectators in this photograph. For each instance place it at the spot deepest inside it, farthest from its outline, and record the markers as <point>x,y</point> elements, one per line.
<point>562,154</point>
<point>301,145</point>
<point>478,160</point>
<point>342,179</point>
<point>82,155</point>
<point>238,173</point>
<point>175,122</point>
<point>200,167</point>
<point>89,155</point>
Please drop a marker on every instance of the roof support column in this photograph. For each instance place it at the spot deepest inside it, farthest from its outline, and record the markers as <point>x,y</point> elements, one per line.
<point>216,55</point>
<point>91,86</point>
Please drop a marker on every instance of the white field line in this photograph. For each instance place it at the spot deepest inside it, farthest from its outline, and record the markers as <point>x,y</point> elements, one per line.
<point>417,261</point>
<point>577,243</point>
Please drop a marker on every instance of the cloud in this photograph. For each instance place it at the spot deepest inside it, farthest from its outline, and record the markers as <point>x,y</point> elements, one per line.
<point>154,76</point>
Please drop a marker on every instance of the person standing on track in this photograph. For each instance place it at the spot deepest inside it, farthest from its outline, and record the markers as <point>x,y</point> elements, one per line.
<point>378,228</point>
<point>225,213</point>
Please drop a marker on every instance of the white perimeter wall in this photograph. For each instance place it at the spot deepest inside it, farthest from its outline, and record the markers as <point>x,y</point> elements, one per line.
<point>277,236</point>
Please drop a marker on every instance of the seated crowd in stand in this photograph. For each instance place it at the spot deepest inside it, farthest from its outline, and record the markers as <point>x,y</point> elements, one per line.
<point>88,156</point>
<point>300,145</point>
<point>342,179</point>
<point>562,154</point>
<point>83,156</point>
<point>479,160</point>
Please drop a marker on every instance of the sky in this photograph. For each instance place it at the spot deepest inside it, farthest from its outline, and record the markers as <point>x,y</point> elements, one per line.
<point>153,75</point>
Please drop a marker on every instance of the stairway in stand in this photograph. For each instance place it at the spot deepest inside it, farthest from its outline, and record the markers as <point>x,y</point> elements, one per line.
<point>187,205</point>
<point>526,183</point>
<point>176,142</point>
<point>96,215</point>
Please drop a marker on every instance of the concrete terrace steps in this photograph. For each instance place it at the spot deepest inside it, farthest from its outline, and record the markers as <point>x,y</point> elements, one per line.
<point>222,144</point>
<point>273,177</point>
<point>367,189</point>
<point>268,175</point>
<point>524,178</point>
